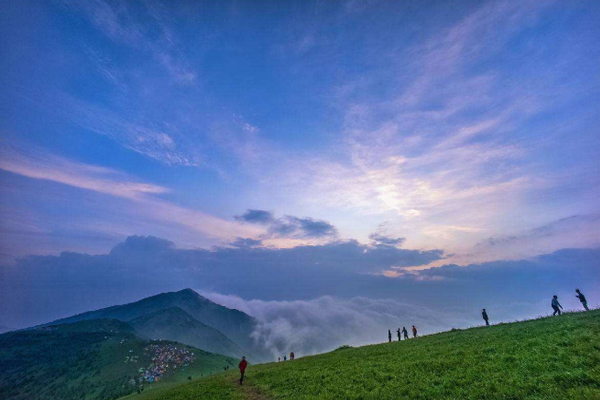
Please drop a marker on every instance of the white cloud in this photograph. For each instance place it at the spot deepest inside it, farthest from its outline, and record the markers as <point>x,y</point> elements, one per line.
<point>40,165</point>
<point>150,141</point>
<point>323,324</point>
<point>444,153</point>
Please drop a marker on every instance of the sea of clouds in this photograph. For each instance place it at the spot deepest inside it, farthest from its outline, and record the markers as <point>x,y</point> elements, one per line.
<point>326,323</point>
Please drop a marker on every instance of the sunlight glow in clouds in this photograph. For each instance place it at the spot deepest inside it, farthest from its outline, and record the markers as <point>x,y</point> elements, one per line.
<point>467,129</point>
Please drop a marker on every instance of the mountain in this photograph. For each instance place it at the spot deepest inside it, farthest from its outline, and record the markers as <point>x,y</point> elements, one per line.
<point>234,324</point>
<point>549,358</point>
<point>175,324</point>
<point>93,360</point>
<point>112,326</point>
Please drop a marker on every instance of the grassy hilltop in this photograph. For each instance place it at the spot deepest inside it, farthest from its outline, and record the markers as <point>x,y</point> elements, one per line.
<point>549,358</point>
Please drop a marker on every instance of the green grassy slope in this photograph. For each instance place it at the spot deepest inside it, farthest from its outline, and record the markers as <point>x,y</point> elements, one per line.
<point>175,324</point>
<point>550,358</point>
<point>86,360</point>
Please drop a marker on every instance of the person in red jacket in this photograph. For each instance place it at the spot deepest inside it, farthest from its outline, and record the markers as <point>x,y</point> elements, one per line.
<point>242,366</point>
<point>414,331</point>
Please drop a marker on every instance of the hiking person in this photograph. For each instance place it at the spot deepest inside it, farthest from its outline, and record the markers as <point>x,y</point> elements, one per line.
<point>398,333</point>
<point>414,329</point>
<point>390,336</point>
<point>556,306</point>
<point>405,332</point>
<point>292,355</point>
<point>278,359</point>
<point>582,299</point>
<point>242,366</point>
<point>284,358</point>
<point>485,317</point>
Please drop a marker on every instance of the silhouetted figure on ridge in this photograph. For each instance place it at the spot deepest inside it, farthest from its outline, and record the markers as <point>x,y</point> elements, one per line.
<point>292,355</point>
<point>405,332</point>
<point>398,333</point>
<point>485,317</point>
<point>414,329</point>
<point>556,306</point>
<point>582,299</point>
<point>390,336</point>
<point>242,366</point>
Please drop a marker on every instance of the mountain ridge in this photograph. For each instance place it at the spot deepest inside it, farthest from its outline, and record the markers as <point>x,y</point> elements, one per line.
<point>235,325</point>
<point>176,324</point>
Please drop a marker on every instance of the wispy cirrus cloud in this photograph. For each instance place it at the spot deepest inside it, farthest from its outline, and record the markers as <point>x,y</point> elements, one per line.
<point>106,67</point>
<point>146,29</point>
<point>150,138</point>
<point>445,152</point>
<point>40,165</point>
<point>443,122</point>
<point>576,231</point>
<point>37,164</point>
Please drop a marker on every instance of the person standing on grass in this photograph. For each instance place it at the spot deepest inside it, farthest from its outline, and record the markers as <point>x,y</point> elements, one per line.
<point>405,332</point>
<point>582,299</point>
<point>390,336</point>
<point>485,317</point>
<point>242,366</point>
<point>414,329</point>
<point>556,306</point>
<point>398,333</point>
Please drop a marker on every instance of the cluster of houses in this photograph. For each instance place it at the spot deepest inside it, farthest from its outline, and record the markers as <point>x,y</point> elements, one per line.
<point>164,357</point>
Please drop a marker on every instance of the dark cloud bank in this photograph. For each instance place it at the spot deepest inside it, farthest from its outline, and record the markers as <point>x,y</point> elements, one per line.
<point>315,297</point>
<point>380,239</point>
<point>289,226</point>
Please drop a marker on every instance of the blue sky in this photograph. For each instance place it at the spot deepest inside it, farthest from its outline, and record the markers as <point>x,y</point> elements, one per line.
<point>444,134</point>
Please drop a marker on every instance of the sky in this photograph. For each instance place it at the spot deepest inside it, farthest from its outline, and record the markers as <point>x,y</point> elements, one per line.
<point>276,154</point>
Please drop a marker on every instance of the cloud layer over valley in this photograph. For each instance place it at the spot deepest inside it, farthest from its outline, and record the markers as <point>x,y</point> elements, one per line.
<point>312,298</point>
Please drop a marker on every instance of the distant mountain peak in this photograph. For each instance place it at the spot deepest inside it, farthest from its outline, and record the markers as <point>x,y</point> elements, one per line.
<point>192,295</point>
<point>188,291</point>
<point>234,324</point>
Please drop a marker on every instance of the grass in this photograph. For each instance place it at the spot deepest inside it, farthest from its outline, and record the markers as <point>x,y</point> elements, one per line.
<point>548,358</point>
<point>221,386</point>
